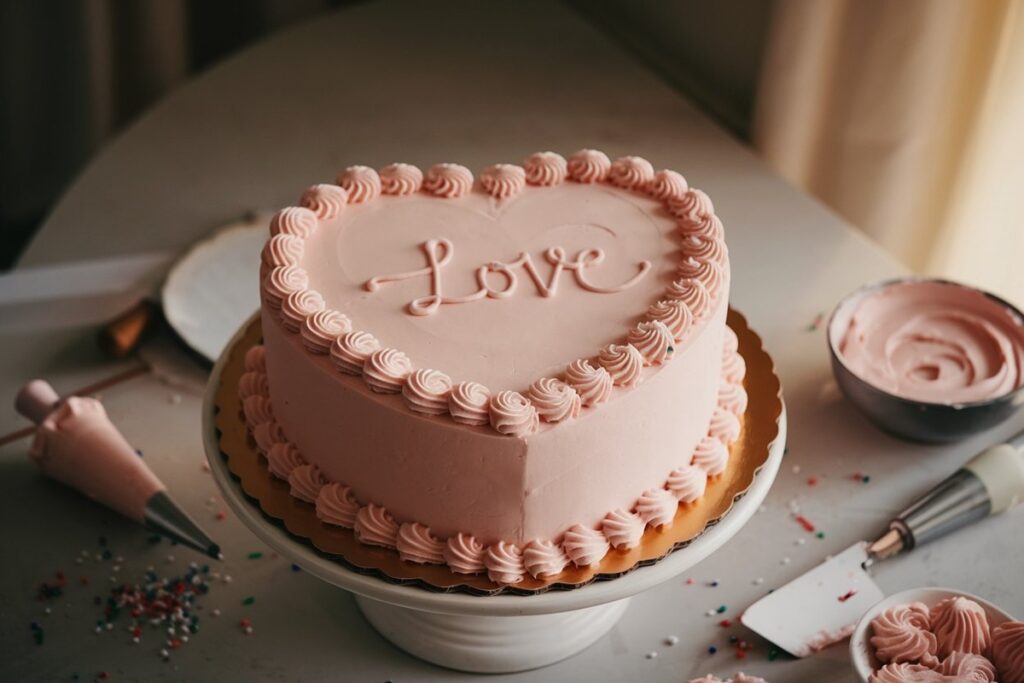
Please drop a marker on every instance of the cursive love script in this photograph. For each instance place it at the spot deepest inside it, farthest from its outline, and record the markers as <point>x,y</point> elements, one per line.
<point>439,253</point>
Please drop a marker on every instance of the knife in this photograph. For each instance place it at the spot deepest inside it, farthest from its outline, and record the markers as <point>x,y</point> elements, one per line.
<point>823,606</point>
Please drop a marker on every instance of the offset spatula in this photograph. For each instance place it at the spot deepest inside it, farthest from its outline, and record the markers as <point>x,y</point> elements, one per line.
<point>822,606</point>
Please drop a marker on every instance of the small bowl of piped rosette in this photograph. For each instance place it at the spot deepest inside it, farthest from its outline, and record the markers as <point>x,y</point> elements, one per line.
<point>938,635</point>
<point>929,360</point>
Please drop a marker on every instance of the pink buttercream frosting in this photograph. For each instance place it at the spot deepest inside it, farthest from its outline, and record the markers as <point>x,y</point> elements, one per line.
<point>298,305</point>
<point>653,340</point>
<point>512,414</point>
<point>711,455</point>
<point>504,563</point>
<point>732,397</point>
<point>692,293</point>
<point>734,368</point>
<point>674,314</point>
<point>623,362</point>
<point>350,351</point>
<point>416,544</point>
<point>426,392</point>
<point>252,384</point>
<point>305,482</point>
<point>257,409</point>
<point>687,483</point>
<point>375,526</point>
<point>588,166</point>
<point>337,505</point>
<point>361,183</point>
<point>320,329</point>
<point>592,383</point>
<point>282,250</point>
<point>657,507</point>
<point>1008,651</point>
<point>544,559</point>
<point>907,673</point>
<point>965,667</point>
<point>960,625</point>
<point>705,249</point>
<point>693,207</point>
<point>448,180</point>
<point>585,546</point>
<point>266,435</point>
<point>282,458</point>
<point>256,359</point>
<point>934,342</point>
<point>400,179</point>
<point>385,371</point>
<point>724,426</point>
<point>503,180</point>
<point>464,554</point>
<point>555,400</point>
<point>709,273</point>
<point>545,168</point>
<point>631,172</point>
<point>903,634</point>
<point>293,220</point>
<point>469,402</point>
<point>622,529</point>
<point>667,185</point>
<point>281,282</point>
<point>326,201</point>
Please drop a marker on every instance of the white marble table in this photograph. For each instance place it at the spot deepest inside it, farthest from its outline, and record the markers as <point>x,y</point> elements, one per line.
<point>427,82</point>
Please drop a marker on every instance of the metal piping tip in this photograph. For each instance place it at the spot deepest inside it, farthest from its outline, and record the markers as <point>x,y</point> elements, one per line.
<point>163,516</point>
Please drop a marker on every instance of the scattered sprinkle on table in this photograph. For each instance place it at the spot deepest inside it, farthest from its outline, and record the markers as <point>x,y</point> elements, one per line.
<point>847,595</point>
<point>721,609</point>
<point>672,640</point>
<point>820,534</point>
<point>250,600</point>
<point>725,623</point>
<point>812,481</point>
<point>712,649</point>
<point>651,655</point>
<point>805,523</point>
<point>785,560</point>
<point>758,581</point>
<point>816,322</point>
<point>255,555</point>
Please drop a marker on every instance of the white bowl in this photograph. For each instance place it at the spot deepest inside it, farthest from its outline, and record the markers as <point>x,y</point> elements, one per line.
<point>863,654</point>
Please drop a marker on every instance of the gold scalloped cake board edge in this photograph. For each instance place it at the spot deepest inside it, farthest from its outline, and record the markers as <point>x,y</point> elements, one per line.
<point>272,496</point>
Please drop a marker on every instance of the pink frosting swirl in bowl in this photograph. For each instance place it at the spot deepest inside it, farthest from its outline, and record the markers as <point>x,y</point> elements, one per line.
<point>504,562</point>
<point>297,306</point>
<point>693,293</point>
<point>588,166</point>
<point>545,168</point>
<point>903,634</point>
<point>933,342</point>
<point>631,172</point>
<point>385,370</point>
<point>375,526</point>
<point>622,529</point>
<point>320,329</point>
<point>326,201</point>
<point>544,559</point>
<point>623,362</point>
<point>293,220</point>
<point>464,554</point>
<point>282,250</point>
<point>584,546</point>
<point>711,455</point>
<point>503,180</point>
<point>692,208</point>
<point>653,340</point>
<point>960,625</point>
<point>416,544</point>
<point>593,384</point>
<point>337,505</point>
<point>657,507</point>
<point>555,400</point>
<point>965,667</point>
<point>448,180</point>
<point>512,414</point>
<point>667,185</point>
<point>687,483</point>
<point>361,182</point>
<point>350,351</point>
<point>400,179</point>
<point>674,314</point>
<point>907,673</point>
<point>1008,651</point>
<point>468,403</point>
<point>426,392</point>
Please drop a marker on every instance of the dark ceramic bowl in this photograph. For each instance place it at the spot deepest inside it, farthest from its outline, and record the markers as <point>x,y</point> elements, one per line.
<point>906,418</point>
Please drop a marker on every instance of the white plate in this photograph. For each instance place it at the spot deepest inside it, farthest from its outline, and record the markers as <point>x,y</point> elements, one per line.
<point>214,288</point>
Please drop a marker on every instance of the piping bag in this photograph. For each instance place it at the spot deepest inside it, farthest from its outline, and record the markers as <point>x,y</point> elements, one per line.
<point>76,444</point>
<point>824,605</point>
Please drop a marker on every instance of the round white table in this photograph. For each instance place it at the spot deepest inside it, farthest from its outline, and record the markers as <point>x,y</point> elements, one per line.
<point>476,83</point>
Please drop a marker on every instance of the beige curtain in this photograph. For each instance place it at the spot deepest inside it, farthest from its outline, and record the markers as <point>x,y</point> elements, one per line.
<point>907,117</point>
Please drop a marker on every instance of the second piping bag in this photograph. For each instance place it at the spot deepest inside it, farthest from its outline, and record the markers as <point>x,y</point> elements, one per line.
<point>822,606</point>
<point>77,445</point>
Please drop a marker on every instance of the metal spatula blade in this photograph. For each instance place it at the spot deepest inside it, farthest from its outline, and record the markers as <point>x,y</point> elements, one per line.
<point>819,608</point>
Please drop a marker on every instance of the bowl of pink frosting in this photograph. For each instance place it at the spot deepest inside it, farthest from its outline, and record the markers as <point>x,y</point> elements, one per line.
<point>929,360</point>
<point>939,635</point>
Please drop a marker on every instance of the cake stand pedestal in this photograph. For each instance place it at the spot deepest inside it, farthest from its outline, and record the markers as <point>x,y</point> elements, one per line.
<point>487,634</point>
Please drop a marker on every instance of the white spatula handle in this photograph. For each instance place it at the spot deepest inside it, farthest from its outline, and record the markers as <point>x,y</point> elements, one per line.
<point>992,482</point>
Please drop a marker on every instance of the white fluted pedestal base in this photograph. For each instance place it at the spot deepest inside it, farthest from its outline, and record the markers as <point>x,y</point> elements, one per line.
<point>487,644</point>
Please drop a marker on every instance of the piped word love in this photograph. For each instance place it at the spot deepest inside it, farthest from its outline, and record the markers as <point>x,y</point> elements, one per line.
<point>439,253</point>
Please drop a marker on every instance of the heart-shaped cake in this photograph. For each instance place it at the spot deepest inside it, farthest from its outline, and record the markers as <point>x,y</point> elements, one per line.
<point>503,374</point>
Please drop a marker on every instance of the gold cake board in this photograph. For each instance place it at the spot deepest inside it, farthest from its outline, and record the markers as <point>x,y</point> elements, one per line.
<point>272,496</point>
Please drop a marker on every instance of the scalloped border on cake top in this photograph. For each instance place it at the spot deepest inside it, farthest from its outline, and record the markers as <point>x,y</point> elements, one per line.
<point>587,382</point>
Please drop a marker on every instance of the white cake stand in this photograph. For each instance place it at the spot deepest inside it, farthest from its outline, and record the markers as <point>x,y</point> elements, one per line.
<point>487,634</point>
